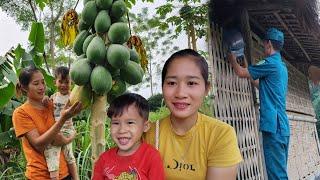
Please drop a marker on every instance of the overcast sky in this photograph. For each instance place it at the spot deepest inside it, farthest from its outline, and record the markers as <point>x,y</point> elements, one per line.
<point>10,33</point>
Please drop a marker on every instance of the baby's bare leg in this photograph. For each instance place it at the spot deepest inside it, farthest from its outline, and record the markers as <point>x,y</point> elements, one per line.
<point>73,171</point>
<point>54,175</point>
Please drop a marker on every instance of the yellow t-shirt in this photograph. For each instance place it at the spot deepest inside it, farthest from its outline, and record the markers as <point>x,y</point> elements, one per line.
<point>210,143</point>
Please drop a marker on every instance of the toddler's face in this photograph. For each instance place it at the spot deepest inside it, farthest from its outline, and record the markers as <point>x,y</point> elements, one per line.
<point>127,129</point>
<point>63,85</point>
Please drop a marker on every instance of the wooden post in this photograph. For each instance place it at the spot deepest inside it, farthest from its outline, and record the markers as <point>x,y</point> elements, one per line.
<point>212,57</point>
<point>247,37</point>
<point>246,33</point>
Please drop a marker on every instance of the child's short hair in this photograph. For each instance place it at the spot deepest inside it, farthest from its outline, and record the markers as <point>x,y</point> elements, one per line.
<point>119,104</point>
<point>62,71</point>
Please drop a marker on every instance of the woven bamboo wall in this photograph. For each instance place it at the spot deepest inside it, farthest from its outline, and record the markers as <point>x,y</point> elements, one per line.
<point>234,105</point>
<point>298,99</point>
<point>304,161</point>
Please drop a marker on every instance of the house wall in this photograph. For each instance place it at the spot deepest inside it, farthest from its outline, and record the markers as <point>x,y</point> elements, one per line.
<point>236,103</point>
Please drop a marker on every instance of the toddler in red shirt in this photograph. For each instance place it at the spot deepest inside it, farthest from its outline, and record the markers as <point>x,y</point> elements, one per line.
<point>132,158</point>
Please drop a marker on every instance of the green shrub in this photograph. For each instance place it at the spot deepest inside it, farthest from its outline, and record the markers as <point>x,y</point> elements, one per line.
<point>161,113</point>
<point>207,106</point>
<point>155,102</point>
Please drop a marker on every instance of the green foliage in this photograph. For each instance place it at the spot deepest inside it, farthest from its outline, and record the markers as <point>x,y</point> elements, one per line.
<point>9,79</point>
<point>19,10</point>
<point>130,3</point>
<point>12,162</point>
<point>37,41</point>
<point>9,108</point>
<point>49,79</point>
<point>22,13</point>
<point>22,58</point>
<point>156,41</point>
<point>13,169</point>
<point>7,135</point>
<point>207,106</point>
<point>18,58</point>
<point>7,84</point>
<point>197,16</point>
<point>161,113</point>
<point>36,37</point>
<point>82,145</point>
<point>41,3</point>
<point>155,102</point>
<point>7,71</point>
<point>315,97</point>
<point>7,92</point>
<point>8,139</point>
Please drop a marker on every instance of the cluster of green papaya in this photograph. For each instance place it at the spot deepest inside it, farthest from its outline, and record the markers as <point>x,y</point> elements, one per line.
<point>105,64</point>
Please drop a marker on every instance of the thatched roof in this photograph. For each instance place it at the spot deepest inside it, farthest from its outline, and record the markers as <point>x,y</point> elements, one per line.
<point>298,19</point>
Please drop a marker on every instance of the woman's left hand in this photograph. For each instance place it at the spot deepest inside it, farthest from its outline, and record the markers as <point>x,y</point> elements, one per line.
<point>70,111</point>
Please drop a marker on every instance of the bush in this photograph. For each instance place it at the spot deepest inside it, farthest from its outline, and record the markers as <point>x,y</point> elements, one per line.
<point>155,102</point>
<point>161,113</point>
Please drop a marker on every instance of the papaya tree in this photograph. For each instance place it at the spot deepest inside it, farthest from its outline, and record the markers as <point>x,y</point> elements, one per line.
<point>157,42</point>
<point>105,65</point>
<point>190,16</point>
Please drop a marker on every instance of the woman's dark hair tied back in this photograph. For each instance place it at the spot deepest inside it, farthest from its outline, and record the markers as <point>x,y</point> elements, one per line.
<point>199,60</point>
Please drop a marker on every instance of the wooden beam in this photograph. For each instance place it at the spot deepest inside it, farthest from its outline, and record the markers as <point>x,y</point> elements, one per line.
<point>255,7</point>
<point>292,35</point>
<point>246,31</point>
<point>269,6</point>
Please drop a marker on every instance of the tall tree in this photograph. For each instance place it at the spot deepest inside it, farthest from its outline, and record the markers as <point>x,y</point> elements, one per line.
<point>157,42</point>
<point>190,16</point>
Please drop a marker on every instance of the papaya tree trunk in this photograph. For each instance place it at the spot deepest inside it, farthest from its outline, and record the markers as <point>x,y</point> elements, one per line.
<point>193,37</point>
<point>151,77</point>
<point>189,37</point>
<point>97,132</point>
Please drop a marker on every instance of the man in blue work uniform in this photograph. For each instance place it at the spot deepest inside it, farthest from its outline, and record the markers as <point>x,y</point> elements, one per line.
<point>270,75</point>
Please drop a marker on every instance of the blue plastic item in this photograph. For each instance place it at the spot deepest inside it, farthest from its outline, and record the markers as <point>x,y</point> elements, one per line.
<point>234,42</point>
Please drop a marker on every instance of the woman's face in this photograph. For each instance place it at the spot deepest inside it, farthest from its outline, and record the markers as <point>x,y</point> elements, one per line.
<point>36,87</point>
<point>184,88</point>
